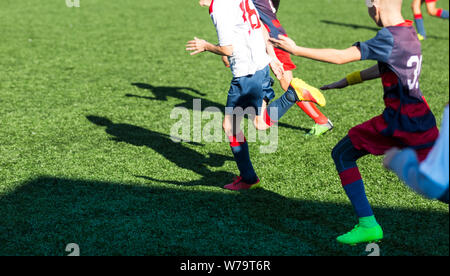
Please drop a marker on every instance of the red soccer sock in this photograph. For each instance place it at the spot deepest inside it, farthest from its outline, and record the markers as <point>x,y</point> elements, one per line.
<point>239,147</point>
<point>312,111</point>
<point>267,119</point>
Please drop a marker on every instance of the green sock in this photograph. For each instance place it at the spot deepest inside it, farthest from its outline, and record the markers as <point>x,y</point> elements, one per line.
<point>368,222</point>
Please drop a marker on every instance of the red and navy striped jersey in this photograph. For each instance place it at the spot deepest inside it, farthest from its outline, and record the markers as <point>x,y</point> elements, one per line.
<point>267,6</point>
<point>407,114</point>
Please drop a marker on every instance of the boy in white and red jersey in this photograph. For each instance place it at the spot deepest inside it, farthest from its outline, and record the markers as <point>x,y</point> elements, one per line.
<point>242,40</point>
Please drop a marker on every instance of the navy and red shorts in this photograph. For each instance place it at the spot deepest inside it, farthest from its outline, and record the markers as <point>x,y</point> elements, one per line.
<point>275,29</point>
<point>377,136</point>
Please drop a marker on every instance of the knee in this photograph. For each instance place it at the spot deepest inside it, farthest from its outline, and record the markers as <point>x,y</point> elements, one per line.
<point>227,127</point>
<point>340,158</point>
<point>259,123</point>
<point>416,6</point>
<point>336,154</point>
<point>432,11</point>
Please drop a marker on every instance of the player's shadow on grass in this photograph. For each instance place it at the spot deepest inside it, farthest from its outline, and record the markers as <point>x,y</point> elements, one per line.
<point>374,29</point>
<point>162,93</point>
<point>349,25</point>
<point>45,214</point>
<point>177,153</point>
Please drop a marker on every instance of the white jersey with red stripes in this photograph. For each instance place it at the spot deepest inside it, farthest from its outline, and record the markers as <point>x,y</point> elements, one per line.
<point>238,25</point>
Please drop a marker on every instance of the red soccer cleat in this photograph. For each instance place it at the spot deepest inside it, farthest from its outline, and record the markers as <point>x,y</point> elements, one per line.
<point>239,184</point>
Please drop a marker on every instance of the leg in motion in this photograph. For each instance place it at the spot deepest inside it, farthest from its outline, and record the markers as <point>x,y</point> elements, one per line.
<point>345,156</point>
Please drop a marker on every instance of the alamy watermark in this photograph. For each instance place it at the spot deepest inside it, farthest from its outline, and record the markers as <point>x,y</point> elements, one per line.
<point>207,126</point>
<point>73,249</point>
<point>73,3</point>
<point>373,249</point>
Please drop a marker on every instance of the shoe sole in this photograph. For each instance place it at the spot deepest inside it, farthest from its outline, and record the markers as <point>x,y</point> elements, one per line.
<point>318,135</point>
<point>255,186</point>
<point>252,187</point>
<point>369,242</point>
<point>355,244</point>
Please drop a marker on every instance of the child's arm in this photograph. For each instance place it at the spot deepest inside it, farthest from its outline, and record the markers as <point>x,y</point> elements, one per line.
<point>275,64</point>
<point>325,55</point>
<point>197,46</point>
<point>406,165</point>
<point>355,78</point>
<point>225,61</point>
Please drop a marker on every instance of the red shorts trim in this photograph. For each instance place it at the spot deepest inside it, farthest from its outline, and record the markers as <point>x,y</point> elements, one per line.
<point>285,58</point>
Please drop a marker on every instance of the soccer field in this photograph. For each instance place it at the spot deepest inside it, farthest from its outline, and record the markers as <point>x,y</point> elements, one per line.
<point>86,157</point>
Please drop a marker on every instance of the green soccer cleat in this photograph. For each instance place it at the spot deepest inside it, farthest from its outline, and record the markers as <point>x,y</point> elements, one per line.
<point>362,235</point>
<point>421,37</point>
<point>318,130</point>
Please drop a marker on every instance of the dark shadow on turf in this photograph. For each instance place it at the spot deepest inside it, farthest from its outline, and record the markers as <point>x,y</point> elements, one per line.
<point>374,29</point>
<point>436,37</point>
<point>162,93</point>
<point>353,26</point>
<point>177,153</point>
<point>43,215</point>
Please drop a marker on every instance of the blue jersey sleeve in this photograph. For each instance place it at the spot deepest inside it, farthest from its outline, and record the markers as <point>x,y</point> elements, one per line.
<point>436,166</point>
<point>406,165</point>
<point>378,48</point>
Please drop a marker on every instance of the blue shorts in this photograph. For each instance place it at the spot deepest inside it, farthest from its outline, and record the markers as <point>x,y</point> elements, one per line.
<point>251,90</point>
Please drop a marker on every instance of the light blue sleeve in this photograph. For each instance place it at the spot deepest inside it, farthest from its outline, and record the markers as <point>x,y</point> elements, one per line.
<point>436,166</point>
<point>406,165</point>
<point>431,178</point>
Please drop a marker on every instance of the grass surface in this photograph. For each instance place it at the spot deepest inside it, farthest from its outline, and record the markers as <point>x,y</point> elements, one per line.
<point>86,95</point>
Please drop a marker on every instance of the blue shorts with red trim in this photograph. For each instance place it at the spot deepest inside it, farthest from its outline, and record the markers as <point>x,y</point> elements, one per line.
<point>251,90</point>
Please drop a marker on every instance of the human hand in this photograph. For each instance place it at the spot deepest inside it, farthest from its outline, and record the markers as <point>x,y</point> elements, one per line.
<point>389,155</point>
<point>336,85</point>
<point>196,46</point>
<point>277,68</point>
<point>284,43</point>
<point>225,61</point>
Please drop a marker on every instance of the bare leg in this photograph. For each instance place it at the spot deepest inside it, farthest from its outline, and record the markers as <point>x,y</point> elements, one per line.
<point>416,6</point>
<point>431,9</point>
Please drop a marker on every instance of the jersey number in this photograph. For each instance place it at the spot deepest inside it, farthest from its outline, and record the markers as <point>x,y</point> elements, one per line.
<point>250,15</point>
<point>272,7</point>
<point>417,61</point>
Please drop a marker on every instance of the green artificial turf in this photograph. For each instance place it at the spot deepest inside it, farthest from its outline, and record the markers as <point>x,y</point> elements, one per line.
<point>85,154</point>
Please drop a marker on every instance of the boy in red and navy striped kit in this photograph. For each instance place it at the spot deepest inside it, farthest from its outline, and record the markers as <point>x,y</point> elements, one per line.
<point>407,121</point>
